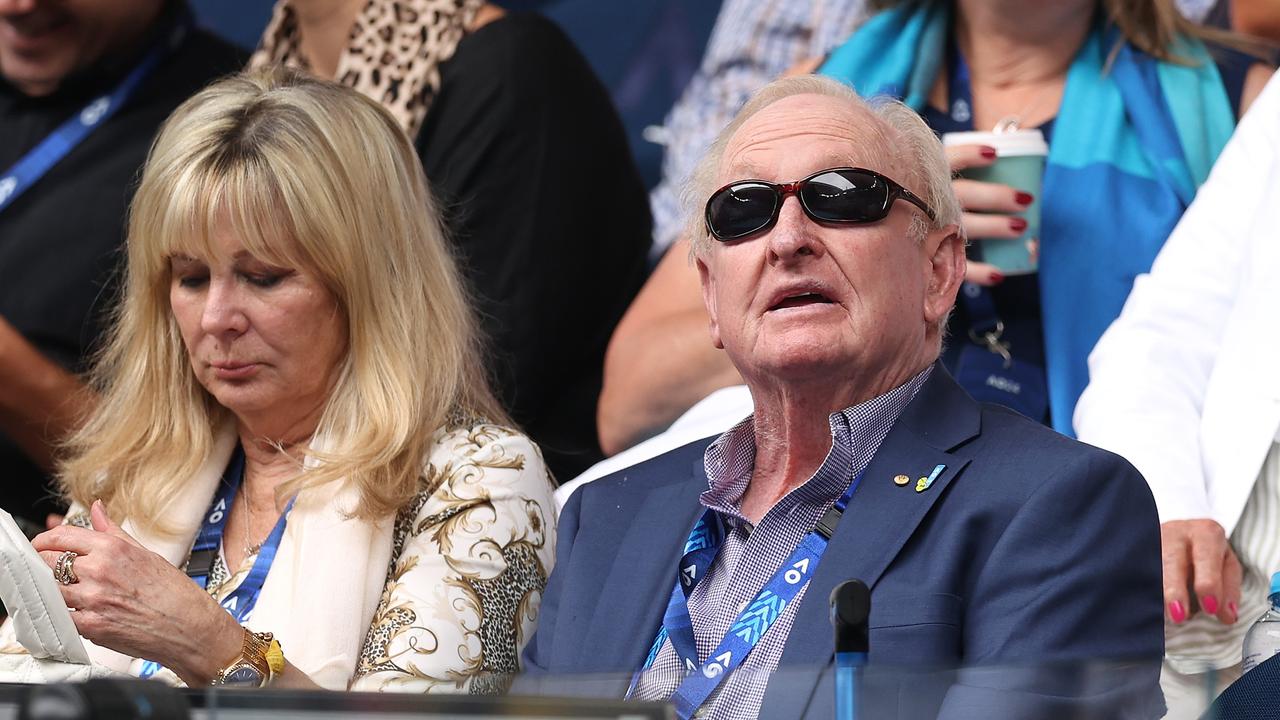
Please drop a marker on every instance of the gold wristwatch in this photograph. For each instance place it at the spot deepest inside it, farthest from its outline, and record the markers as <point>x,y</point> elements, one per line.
<point>253,667</point>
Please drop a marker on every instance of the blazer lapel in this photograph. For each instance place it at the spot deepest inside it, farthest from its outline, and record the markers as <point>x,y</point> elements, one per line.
<point>634,596</point>
<point>881,518</point>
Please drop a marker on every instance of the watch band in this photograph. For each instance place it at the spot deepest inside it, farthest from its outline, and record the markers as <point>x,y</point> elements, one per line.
<point>253,655</point>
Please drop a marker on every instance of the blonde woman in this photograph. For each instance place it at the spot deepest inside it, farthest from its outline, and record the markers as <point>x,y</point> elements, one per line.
<point>292,413</point>
<point>531,165</point>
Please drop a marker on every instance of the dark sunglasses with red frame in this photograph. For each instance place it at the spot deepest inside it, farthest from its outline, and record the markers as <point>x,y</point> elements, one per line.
<point>844,195</point>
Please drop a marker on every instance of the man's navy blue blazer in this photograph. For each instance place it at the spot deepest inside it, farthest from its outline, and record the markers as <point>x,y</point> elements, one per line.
<point>1029,549</point>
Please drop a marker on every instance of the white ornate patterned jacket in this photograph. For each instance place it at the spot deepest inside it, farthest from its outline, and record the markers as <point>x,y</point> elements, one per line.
<point>441,599</point>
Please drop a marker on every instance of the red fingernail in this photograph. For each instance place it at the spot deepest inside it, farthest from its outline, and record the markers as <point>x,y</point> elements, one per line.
<point>1017,224</point>
<point>1024,198</point>
<point>988,152</point>
<point>1176,613</point>
<point>997,278</point>
<point>1210,604</point>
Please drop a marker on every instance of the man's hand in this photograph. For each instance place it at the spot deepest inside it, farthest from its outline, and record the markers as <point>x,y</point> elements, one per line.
<point>1200,571</point>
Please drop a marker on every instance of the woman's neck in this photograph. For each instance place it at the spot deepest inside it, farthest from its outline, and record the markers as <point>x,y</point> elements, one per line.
<point>1018,55</point>
<point>1009,43</point>
<point>266,466</point>
<point>324,32</point>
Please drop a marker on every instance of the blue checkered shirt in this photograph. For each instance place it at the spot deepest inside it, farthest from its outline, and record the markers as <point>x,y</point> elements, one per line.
<point>753,42</point>
<point>750,556</point>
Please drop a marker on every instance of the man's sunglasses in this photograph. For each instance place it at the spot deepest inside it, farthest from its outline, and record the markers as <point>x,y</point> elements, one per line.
<point>837,195</point>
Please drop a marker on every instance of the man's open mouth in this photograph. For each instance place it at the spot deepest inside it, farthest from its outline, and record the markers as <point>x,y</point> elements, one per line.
<point>802,299</point>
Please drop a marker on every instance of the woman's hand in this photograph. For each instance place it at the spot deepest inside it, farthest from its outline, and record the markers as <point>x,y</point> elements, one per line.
<point>988,207</point>
<point>133,601</point>
<point>1197,557</point>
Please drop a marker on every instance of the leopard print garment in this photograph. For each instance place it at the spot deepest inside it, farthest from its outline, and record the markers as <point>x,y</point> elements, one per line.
<point>394,57</point>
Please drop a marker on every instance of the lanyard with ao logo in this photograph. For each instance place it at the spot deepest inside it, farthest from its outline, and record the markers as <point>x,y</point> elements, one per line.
<point>239,602</point>
<point>50,151</point>
<point>752,623</point>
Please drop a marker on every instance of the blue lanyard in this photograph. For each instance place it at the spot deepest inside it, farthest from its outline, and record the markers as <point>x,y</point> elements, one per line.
<point>50,151</point>
<point>751,624</point>
<point>959,89</point>
<point>241,601</point>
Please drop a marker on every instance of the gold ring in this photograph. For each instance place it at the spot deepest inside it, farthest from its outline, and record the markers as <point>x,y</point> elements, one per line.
<point>63,572</point>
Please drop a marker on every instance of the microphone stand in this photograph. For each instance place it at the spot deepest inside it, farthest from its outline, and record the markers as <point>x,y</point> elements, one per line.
<point>850,610</point>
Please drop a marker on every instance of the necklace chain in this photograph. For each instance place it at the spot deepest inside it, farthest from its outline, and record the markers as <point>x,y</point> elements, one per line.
<point>1013,122</point>
<point>249,549</point>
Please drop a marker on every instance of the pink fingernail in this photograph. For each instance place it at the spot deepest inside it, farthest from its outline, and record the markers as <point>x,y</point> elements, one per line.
<point>1210,604</point>
<point>1177,613</point>
<point>1235,611</point>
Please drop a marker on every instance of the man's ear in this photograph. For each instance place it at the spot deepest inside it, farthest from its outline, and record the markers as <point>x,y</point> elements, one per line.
<point>944,251</point>
<point>709,299</point>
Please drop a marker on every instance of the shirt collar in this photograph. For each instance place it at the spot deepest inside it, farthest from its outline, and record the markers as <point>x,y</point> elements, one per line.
<point>856,433</point>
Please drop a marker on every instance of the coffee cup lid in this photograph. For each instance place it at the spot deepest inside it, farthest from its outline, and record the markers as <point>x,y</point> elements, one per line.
<point>1018,142</point>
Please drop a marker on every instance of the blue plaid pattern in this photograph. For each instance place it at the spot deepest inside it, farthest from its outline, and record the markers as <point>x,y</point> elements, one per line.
<point>752,43</point>
<point>749,556</point>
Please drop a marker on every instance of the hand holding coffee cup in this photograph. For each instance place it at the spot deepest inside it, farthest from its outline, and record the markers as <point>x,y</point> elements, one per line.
<point>999,187</point>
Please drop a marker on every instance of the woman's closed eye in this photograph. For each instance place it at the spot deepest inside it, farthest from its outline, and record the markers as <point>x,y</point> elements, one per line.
<point>265,280</point>
<point>192,281</point>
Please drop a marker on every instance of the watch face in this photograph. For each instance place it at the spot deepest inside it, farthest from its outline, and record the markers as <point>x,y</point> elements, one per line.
<point>243,676</point>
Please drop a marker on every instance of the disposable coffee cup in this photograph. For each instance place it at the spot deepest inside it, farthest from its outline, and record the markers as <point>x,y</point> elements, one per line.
<point>1020,158</point>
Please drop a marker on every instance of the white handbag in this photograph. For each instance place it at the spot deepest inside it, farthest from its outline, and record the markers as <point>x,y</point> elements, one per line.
<point>39,617</point>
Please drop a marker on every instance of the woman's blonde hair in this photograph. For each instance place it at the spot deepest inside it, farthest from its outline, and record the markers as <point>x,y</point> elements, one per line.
<point>305,173</point>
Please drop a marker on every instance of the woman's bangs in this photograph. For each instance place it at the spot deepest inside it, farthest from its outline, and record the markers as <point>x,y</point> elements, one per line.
<point>242,201</point>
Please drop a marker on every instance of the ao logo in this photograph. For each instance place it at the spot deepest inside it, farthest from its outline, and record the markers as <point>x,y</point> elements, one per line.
<point>7,186</point>
<point>92,114</point>
<point>689,574</point>
<point>219,510</point>
<point>713,669</point>
<point>797,571</point>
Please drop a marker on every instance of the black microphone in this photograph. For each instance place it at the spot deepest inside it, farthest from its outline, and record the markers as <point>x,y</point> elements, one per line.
<point>850,610</point>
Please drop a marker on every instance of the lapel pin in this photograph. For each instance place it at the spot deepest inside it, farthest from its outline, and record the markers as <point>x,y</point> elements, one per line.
<point>923,483</point>
<point>901,480</point>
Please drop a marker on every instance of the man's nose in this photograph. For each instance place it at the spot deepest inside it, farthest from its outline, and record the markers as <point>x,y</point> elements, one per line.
<point>794,235</point>
<point>224,313</point>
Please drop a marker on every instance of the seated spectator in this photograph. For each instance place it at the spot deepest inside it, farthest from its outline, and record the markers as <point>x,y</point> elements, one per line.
<point>1183,385</point>
<point>291,385</point>
<point>985,537</point>
<point>1029,65</point>
<point>531,166</point>
<point>64,187</point>
<point>753,42</point>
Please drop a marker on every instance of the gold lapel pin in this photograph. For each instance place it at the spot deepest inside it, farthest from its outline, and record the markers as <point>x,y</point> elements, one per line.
<point>901,480</point>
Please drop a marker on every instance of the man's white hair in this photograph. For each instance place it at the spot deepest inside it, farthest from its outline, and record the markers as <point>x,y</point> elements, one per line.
<point>900,130</point>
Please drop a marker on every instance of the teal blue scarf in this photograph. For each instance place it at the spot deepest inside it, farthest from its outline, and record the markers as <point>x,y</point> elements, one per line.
<point>1129,148</point>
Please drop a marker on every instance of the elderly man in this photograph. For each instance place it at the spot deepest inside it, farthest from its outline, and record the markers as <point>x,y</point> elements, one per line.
<point>829,259</point>
<point>83,87</point>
